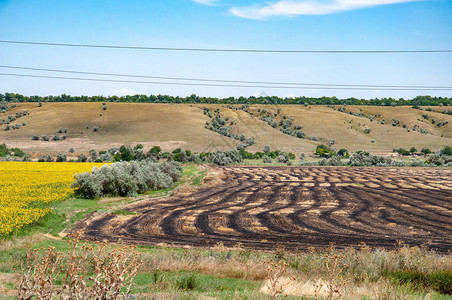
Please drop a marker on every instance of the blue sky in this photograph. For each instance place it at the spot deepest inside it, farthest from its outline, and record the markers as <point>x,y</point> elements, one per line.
<point>248,24</point>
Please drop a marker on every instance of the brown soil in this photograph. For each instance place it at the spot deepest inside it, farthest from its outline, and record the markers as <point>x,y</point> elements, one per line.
<point>298,207</point>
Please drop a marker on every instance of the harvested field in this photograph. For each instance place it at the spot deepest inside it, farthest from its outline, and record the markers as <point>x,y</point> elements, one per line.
<point>298,207</point>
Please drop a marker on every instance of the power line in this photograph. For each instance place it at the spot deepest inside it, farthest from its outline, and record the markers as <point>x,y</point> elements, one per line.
<point>216,85</point>
<point>227,50</point>
<point>226,81</point>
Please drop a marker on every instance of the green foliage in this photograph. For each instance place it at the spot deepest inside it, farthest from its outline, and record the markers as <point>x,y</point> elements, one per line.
<point>126,179</point>
<point>426,151</point>
<point>324,151</point>
<point>45,158</point>
<point>423,100</point>
<point>223,158</point>
<point>61,157</point>
<point>440,282</point>
<point>364,159</point>
<point>413,149</point>
<point>447,150</point>
<point>402,151</point>
<point>188,282</point>
<point>4,150</point>
<point>343,152</point>
<point>82,158</point>
<point>16,152</point>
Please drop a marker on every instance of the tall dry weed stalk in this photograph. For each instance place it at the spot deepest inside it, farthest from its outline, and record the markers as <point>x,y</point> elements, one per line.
<point>88,272</point>
<point>276,270</point>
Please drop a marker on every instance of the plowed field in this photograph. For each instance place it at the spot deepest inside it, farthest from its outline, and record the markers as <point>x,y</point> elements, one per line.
<point>298,207</point>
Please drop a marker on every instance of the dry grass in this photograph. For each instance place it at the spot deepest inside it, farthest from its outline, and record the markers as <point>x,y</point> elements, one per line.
<point>182,125</point>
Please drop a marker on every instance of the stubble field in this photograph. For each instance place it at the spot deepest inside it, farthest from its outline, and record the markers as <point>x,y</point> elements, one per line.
<point>297,207</point>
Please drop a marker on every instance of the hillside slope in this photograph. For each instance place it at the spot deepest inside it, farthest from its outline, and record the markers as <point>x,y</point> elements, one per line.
<point>182,125</point>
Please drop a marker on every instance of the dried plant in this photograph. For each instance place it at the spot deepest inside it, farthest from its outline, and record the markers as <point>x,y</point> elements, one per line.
<point>275,270</point>
<point>112,272</point>
<point>334,266</point>
<point>38,274</point>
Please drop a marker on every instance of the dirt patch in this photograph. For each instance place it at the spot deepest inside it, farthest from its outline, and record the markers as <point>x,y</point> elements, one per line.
<point>263,206</point>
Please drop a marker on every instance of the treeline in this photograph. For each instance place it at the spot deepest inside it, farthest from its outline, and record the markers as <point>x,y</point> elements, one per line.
<point>416,101</point>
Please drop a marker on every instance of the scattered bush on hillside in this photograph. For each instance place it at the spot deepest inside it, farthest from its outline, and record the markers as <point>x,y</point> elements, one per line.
<point>45,138</point>
<point>3,106</point>
<point>56,138</point>
<point>126,179</point>
<point>35,137</point>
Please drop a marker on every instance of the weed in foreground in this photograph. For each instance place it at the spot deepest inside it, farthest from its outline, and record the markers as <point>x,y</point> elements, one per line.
<point>88,272</point>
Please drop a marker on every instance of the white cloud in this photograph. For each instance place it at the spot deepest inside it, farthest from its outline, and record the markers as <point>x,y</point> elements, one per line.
<point>124,92</point>
<point>206,2</point>
<point>306,7</point>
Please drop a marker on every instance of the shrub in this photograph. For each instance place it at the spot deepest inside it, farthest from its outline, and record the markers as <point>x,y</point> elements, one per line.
<point>26,158</point>
<point>435,160</point>
<point>426,151</point>
<point>35,137</point>
<point>283,158</point>
<point>367,130</point>
<point>71,150</point>
<point>45,138</point>
<point>361,158</point>
<point>95,129</point>
<point>82,158</point>
<point>106,157</point>
<point>56,138</point>
<point>267,159</point>
<point>447,150</point>
<point>343,152</point>
<point>45,158</point>
<point>266,149</point>
<point>60,130</point>
<point>413,150</point>
<point>61,157</point>
<point>300,134</point>
<point>126,179</point>
<point>324,151</point>
<point>223,158</point>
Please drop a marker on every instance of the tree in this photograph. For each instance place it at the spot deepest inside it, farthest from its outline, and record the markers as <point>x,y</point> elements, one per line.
<point>447,150</point>
<point>413,150</point>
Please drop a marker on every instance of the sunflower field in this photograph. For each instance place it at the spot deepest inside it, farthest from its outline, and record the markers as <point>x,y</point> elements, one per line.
<point>28,189</point>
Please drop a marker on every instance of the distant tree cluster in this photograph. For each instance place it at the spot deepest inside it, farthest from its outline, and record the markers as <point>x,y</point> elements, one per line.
<point>416,101</point>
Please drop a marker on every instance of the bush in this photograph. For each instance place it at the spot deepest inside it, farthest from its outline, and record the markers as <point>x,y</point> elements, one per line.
<point>324,151</point>
<point>426,151</point>
<point>35,137</point>
<point>224,158</point>
<point>45,138</point>
<point>283,158</point>
<point>435,160</point>
<point>126,179</point>
<point>71,150</point>
<point>56,138</point>
<point>61,157</point>
<point>267,159</point>
<point>82,158</point>
<point>106,157</point>
<point>447,150</point>
<point>45,158</point>
<point>364,159</point>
